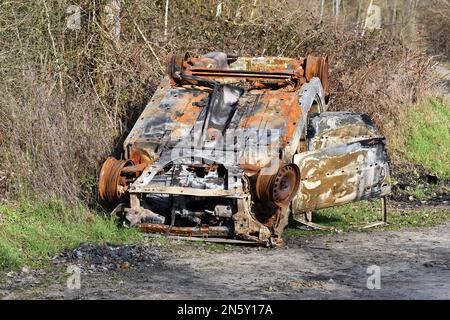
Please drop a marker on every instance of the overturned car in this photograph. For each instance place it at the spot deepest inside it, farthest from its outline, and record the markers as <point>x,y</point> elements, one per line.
<point>229,146</point>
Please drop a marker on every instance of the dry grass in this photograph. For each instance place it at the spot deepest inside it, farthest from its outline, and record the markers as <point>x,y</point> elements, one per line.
<point>70,97</point>
<point>51,139</point>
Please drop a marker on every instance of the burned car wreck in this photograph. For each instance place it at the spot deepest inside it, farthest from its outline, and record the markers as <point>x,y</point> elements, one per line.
<point>228,147</point>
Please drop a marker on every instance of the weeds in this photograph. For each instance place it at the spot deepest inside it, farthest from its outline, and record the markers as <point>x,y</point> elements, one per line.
<point>429,140</point>
<point>420,135</point>
<point>69,97</point>
<point>353,216</point>
<point>33,230</point>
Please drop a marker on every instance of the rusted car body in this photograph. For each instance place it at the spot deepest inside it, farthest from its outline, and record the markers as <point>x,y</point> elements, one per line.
<point>228,147</point>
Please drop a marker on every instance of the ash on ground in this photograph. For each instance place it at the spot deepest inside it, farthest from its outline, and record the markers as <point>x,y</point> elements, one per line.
<point>108,256</point>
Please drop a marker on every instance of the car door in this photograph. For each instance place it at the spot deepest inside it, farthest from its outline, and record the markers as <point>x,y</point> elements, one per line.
<point>345,161</point>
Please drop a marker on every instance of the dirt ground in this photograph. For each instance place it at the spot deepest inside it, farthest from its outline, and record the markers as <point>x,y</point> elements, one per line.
<point>414,264</point>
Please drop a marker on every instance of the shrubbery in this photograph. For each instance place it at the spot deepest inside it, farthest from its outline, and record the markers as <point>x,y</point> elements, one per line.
<point>69,97</point>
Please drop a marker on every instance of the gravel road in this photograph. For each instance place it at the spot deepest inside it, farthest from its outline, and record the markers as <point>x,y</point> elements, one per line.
<point>414,264</point>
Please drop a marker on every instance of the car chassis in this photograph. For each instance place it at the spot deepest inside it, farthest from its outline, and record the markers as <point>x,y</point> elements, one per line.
<point>229,146</point>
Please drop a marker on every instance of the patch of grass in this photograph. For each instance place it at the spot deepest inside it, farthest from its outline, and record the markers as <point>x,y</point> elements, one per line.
<point>355,215</point>
<point>212,246</point>
<point>349,216</point>
<point>428,137</point>
<point>33,230</point>
<point>418,218</point>
<point>419,193</point>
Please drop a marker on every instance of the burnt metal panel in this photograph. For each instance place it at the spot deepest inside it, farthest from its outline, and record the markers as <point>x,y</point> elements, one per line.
<point>330,129</point>
<point>346,161</point>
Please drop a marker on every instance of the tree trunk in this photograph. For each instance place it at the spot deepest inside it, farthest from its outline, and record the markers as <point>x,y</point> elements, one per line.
<point>166,14</point>
<point>338,7</point>
<point>394,12</point>
<point>322,3</point>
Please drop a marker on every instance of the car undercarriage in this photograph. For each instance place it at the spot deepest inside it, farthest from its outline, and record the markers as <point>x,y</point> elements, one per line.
<point>228,147</point>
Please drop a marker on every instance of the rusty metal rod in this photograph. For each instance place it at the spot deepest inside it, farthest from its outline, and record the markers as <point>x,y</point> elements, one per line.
<point>384,209</point>
<point>201,231</point>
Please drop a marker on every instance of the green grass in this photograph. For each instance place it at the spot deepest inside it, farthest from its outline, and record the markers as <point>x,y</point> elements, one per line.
<point>33,230</point>
<point>428,139</point>
<point>422,192</point>
<point>355,215</point>
<point>419,193</point>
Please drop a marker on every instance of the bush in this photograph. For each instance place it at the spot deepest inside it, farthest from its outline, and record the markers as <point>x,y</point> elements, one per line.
<point>69,97</point>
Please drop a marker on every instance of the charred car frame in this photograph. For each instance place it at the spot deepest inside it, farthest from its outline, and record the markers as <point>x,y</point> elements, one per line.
<point>229,146</point>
